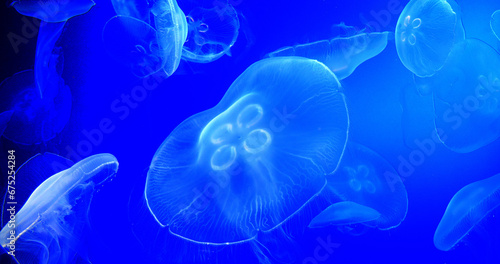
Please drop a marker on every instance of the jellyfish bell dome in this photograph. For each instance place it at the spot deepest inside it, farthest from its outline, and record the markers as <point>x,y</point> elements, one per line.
<point>253,160</point>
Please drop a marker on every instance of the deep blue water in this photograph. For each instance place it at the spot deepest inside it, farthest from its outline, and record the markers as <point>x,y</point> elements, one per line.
<point>122,228</point>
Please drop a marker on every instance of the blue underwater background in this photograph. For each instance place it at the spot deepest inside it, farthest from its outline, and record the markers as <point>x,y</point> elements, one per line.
<point>115,112</point>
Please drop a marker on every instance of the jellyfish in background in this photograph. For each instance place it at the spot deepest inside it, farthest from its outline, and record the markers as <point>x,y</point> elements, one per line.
<point>211,33</point>
<point>425,34</point>
<point>365,178</point>
<point>133,43</point>
<point>495,23</point>
<point>138,9</point>
<point>344,213</point>
<point>466,97</point>
<point>52,224</point>
<point>171,33</point>
<point>255,159</point>
<point>341,54</point>
<point>52,10</point>
<point>466,209</point>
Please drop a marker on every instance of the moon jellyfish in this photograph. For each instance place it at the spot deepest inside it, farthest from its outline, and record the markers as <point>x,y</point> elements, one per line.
<point>139,9</point>
<point>495,24</point>
<point>171,33</point>
<point>466,97</point>
<point>344,213</point>
<point>211,33</point>
<point>52,10</point>
<point>466,209</point>
<point>52,225</point>
<point>255,159</point>
<point>425,34</point>
<point>342,54</point>
<point>133,43</point>
<point>34,119</point>
<point>364,177</point>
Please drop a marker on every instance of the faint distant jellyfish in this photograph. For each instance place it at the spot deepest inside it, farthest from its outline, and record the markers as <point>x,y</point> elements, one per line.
<point>139,9</point>
<point>425,34</point>
<point>211,33</point>
<point>34,119</point>
<point>52,10</point>
<point>466,209</point>
<point>341,54</point>
<point>365,178</point>
<point>171,33</point>
<point>52,224</point>
<point>466,97</point>
<point>344,213</point>
<point>133,43</point>
<point>253,160</point>
<point>495,24</point>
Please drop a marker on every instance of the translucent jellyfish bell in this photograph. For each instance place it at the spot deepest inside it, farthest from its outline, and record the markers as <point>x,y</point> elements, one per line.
<point>364,177</point>
<point>425,34</point>
<point>466,97</point>
<point>341,54</point>
<point>133,43</point>
<point>344,213</point>
<point>495,23</point>
<point>211,33</point>
<point>52,224</point>
<point>52,10</point>
<point>139,9</point>
<point>466,209</point>
<point>253,160</point>
<point>171,33</point>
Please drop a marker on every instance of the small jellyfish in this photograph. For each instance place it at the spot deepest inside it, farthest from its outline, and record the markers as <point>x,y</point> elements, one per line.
<point>466,97</point>
<point>495,23</point>
<point>466,209</point>
<point>255,159</point>
<point>52,10</point>
<point>344,213</point>
<point>425,34</point>
<point>52,225</point>
<point>364,177</point>
<point>211,33</point>
<point>133,43</point>
<point>139,9</point>
<point>171,33</point>
<point>341,54</point>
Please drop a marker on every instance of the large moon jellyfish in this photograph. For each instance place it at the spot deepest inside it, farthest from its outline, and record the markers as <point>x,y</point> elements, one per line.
<point>466,209</point>
<point>253,160</point>
<point>52,10</point>
<point>425,34</point>
<point>341,54</point>
<point>52,224</point>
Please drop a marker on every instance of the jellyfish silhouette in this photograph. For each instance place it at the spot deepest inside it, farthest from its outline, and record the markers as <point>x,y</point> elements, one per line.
<point>52,10</point>
<point>133,43</point>
<point>466,209</point>
<point>211,33</point>
<point>344,213</point>
<point>341,54</point>
<point>138,9</point>
<point>365,178</point>
<point>495,23</point>
<point>253,160</point>
<point>52,224</point>
<point>171,33</point>
<point>425,34</point>
<point>466,97</point>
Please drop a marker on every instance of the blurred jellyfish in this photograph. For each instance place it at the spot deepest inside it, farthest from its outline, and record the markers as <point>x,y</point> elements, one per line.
<point>138,9</point>
<point>211,33</point>
<point>495,24</point>
<point>341,54</point>
<point>344,213</point>
<point>466,209</point>
<point>52,10</point>
<point>255,159</point>
<point>425,34</point>
<point>466,97</point>
<point>364,177</point>
<point>52,224</point>
<point>171,33</point>
<point>133,43</point>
